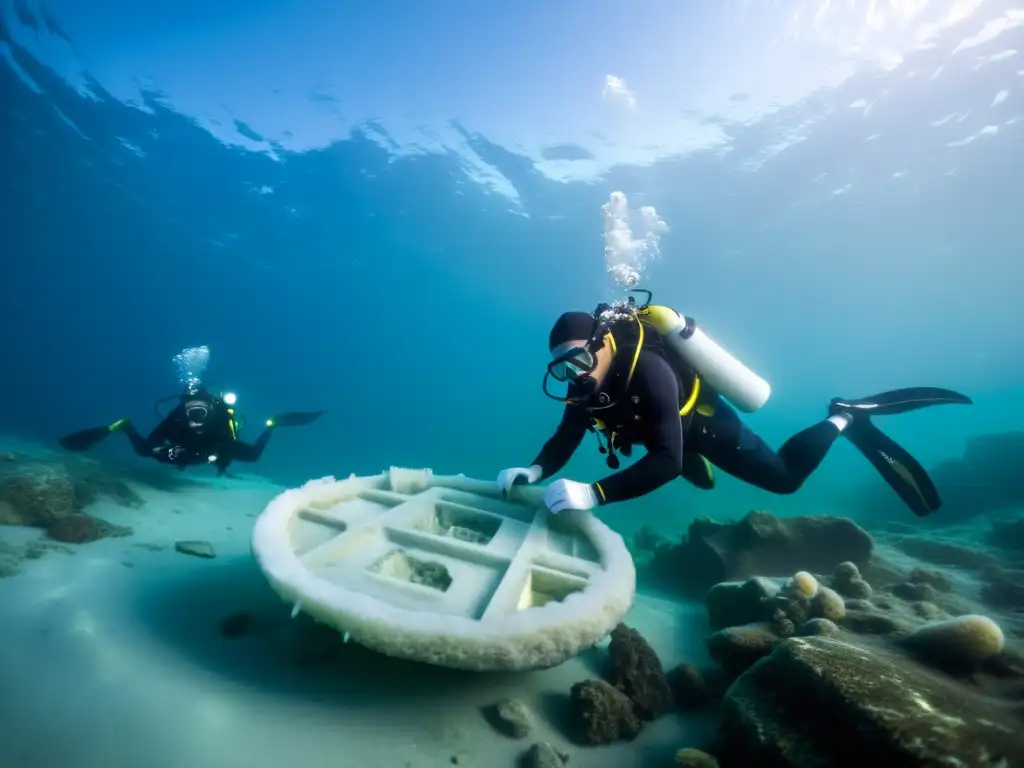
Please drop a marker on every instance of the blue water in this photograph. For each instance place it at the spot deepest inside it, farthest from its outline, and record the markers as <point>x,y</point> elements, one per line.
<point>380,252</point>
<point>413,302</point>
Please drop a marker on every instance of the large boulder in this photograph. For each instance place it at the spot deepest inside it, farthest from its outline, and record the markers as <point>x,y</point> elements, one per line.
<point>758,545</point>
<point>824,701</point>
<point>39,493</point>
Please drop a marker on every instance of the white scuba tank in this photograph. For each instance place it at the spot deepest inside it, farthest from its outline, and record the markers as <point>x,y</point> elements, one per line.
<point>720,370</point>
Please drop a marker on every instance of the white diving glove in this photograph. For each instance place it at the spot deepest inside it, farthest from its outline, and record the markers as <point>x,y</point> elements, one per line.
<point>508,477</point>
<point>568,494</point>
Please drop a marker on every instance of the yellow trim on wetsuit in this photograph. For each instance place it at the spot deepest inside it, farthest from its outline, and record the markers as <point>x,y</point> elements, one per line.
<point>231,423</point>
<point>600,491</point>
<point>611,340</point>
<point>691,401</point>
<point>636,354</point>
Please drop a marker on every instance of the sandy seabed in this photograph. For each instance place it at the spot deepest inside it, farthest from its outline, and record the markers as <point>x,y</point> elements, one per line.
<point>113,657</point>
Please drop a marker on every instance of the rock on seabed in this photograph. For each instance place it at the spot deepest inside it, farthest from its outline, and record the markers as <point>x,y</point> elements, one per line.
<point>821,701</point>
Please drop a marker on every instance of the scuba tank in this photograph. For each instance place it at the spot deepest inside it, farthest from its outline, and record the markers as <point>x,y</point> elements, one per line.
<point>713,363</point>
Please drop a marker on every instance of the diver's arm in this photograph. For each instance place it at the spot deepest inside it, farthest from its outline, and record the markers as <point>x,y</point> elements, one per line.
<point>563,444</point>
<point>145,446</point>
<point>161,446</point>
<point>658,389</point>
<point>242,451</point>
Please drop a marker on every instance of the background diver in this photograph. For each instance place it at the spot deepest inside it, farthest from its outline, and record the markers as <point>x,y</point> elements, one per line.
<point>646,375</point>
<point>200,429</point>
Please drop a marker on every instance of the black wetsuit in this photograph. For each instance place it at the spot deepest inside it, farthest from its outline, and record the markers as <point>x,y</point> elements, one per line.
<point>647,413</point>
<point>174,442</point>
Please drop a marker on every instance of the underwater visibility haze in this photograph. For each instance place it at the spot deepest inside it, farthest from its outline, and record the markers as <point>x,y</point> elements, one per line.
<point>250,245</point>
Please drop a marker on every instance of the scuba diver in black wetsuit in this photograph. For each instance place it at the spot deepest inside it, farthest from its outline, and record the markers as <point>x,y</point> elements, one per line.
<point>645,375</point>
<point>200,429</point>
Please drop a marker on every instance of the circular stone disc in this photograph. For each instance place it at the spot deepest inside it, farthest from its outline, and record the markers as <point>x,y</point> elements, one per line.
<point>441,569</point>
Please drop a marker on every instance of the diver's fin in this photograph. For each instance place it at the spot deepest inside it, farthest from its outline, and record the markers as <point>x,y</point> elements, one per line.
<point>87,438</point>
<point>901,401</point>
<point>697,470</point>
<point>898,468</point>
<point>295,418</point>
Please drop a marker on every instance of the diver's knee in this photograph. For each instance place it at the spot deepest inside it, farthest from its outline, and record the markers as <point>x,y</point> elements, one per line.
<point>784,485</point>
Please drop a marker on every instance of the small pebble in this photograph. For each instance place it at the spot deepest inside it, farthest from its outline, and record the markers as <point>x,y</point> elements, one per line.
<point>512,717</point>
<point>195,548</point>
<point>544,755</point>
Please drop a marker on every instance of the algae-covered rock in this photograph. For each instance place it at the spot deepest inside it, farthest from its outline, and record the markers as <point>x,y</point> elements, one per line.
<point>693,688</point>
<point>636,671</point>
<point>38,493</point>
<point>11,560</point>
<point>819,627</point>
<point>876,622</point>
<point>958,645</point>
<point>848,582</point>
<point>827,604</point>
<point>736,648</point>
<point>602,714</point>
<point>738,602</point>
<point>82,529</point>
<point>822,701</point>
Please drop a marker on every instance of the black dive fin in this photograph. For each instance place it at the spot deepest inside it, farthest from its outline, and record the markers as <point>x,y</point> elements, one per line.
<point>84,440</point>
<point>87,438</point>
<point>297,418</point>
<point>902,400</point>
<point>899,469</point>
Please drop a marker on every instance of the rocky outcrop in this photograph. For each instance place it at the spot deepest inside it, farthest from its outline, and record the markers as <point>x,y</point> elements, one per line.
<point>944,553</point>
<point>758,545</point>
<point>38,493</point>
<point>827,701</point>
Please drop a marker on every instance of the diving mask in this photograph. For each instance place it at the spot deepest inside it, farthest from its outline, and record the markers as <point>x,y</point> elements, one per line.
<point>572,364</point>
